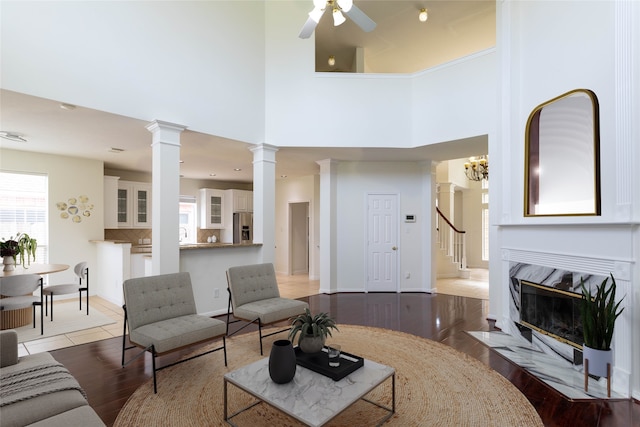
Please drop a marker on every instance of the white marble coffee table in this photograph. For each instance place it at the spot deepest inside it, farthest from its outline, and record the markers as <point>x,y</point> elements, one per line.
<point>310,398</point>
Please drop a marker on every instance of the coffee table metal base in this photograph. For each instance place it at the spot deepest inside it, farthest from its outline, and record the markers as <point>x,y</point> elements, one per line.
<point>254,380</point>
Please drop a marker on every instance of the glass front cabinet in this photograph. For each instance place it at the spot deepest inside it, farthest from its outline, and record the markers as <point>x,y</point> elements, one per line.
<point>134,205</point>
<point>212,208</point>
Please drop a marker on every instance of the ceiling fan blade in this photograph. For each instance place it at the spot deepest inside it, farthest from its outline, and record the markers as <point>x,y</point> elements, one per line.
<point>307,29</point>
<point>361,19</point>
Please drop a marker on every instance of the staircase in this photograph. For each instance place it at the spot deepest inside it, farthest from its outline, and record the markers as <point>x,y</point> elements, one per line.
<point>452,259</point>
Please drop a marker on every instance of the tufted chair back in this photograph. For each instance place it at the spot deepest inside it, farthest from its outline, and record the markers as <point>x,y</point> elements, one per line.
<point>155,298</point>
<point>249,283</point>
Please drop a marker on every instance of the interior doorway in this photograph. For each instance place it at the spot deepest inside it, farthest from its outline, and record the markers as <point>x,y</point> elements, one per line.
<point>382,243</point>
<point>299,238</point>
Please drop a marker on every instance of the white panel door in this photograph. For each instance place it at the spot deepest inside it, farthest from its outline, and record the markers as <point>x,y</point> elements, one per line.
<point>382,246</point>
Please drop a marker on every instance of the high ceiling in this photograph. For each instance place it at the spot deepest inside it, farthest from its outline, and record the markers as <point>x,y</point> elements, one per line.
<point>400,43</point>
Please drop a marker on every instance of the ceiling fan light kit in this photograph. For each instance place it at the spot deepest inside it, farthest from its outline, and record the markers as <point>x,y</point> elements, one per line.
<point>423,16</point>
<point>338,17</point>
<point>337,7</point>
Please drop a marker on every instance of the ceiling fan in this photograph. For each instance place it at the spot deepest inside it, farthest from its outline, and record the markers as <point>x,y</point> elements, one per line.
<point>337,7</point>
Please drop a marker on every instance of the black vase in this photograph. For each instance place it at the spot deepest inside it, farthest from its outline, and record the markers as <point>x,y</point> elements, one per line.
<point>282,362</point>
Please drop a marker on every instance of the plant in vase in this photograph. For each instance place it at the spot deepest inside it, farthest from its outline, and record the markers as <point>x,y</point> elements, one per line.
<point>599,312</point>
<point>313,330</point>
<point>8,252</point>
<point>26,248</point>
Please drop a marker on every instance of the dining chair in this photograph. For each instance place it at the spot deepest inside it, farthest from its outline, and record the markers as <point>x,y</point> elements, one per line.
<point>82,271</point>
<point>18,292</point>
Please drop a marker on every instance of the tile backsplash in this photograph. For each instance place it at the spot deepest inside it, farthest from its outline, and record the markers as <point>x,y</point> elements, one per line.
<point>134,235</point>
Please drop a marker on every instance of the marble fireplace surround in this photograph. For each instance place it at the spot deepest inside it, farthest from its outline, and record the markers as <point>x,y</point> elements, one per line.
<point>559,271</point>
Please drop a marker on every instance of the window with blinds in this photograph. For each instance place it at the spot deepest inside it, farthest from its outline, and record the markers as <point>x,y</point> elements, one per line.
<point>23,209</point>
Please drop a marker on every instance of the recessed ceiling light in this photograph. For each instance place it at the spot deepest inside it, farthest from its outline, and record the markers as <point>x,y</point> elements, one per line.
<point>116,150</point>
<point>12,136</point>
<point>181,161</point>
<point>212,174</point>
<point>66,106</point>
<point>283,176</point>
<point>237,169</point>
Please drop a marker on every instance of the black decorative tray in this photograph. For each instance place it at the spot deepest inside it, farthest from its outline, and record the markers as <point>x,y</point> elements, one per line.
<point>319,362</point>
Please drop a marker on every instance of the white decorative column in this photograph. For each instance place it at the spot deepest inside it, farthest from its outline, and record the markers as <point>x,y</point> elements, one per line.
<point>264,199</point>
<point>328,226</point>
<point>429,234</point>
<point>165,193</point>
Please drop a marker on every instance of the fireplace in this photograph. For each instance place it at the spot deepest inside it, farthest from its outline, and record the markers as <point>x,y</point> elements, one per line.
<point>552,312</point>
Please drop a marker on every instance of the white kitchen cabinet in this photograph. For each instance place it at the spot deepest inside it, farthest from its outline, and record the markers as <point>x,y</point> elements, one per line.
<point>134,204</point>
<point>242,200</point>
<point>141,205</point>
<point>212,203</point>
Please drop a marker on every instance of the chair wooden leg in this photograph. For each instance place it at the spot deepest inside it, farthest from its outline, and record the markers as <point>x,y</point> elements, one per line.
<point>52,307</point>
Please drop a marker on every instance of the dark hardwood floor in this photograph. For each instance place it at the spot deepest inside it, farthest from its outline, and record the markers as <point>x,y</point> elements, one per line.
<point>441,318</point>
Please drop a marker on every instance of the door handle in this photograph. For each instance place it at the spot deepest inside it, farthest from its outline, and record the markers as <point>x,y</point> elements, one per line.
<point>394,248</point>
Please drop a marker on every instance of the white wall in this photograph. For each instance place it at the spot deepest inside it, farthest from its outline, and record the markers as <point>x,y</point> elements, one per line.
<point>68,177</point>
<point>355,181</point>
<point>172,61</point>
<point>455,100</point>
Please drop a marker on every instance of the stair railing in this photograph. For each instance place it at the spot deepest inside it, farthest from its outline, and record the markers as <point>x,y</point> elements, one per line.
<point>451,240</point>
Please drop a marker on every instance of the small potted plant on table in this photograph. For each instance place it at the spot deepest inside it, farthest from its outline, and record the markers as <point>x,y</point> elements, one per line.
<point>313,330</point>
<point>8,252</point>
<point>27,246</point>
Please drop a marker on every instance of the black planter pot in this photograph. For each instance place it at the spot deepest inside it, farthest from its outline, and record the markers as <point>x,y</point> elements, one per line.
<point>282,362</point>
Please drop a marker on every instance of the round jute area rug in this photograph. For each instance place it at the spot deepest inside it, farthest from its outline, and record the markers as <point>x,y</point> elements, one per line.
<point>435,386</point>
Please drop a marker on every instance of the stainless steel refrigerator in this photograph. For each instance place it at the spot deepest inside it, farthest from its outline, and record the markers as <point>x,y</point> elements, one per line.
<point>243,227</point>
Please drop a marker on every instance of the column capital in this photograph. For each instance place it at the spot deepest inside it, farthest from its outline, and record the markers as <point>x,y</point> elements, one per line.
<point>327,164</point>
<point>263,153</point>
<point>165,132</point>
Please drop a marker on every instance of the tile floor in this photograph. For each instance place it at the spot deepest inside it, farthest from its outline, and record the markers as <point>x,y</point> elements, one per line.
<point>297,286</point>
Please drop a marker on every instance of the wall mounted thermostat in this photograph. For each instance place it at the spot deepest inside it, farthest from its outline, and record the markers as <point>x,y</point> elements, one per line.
<point>409,218</point>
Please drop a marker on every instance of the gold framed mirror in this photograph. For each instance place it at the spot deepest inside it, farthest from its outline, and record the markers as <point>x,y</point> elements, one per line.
<point>562,156</point>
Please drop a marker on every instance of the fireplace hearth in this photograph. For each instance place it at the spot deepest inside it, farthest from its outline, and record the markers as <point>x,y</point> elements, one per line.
<point>551,311</point>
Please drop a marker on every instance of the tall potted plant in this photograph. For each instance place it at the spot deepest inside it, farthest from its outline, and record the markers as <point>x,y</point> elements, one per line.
<point>599,312</point>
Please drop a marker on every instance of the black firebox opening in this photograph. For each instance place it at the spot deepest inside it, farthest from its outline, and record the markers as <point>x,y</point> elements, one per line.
<point>552,311</point>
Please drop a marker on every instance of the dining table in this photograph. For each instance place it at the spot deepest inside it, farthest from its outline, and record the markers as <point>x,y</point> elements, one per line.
<point>17,318</point>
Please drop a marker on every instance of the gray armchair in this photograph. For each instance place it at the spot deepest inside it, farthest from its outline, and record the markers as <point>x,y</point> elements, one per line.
<point>160,312</point>
<point>254,298</point>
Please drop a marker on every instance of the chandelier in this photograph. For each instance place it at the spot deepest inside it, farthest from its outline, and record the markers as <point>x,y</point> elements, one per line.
<point>477,168</point>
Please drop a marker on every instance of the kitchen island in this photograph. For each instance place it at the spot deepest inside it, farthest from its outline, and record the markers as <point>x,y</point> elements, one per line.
<point>207,264</point>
